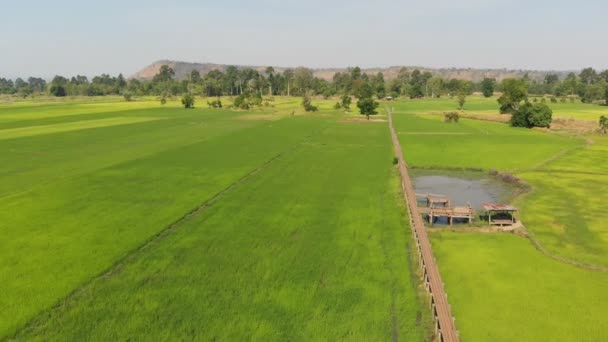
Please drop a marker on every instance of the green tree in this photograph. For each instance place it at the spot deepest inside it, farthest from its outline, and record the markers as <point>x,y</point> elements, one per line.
<point>416,85</point>
<point>514,92</point>
<point>436,86</point>
<point>165,74</point>
<point>379,85</point>
<point>57,90</point>
<point>551,79</point>
<point>367,106</point>
<point>345,102</point>
<point>487,86</point>
<point>307,104</point>
<point>588,76</point>
<point>462,98</point>
<point>188,100</point>
<point>195,76</point>
<point>532,115</point>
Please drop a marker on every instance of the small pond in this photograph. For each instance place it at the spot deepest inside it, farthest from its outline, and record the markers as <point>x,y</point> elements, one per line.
<point>462,187</point>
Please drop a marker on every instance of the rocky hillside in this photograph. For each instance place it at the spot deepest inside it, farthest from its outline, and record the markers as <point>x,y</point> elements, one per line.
<point>182,69</point>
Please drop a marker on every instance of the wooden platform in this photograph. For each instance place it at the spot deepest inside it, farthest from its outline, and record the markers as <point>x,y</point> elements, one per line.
<point>450,212</point>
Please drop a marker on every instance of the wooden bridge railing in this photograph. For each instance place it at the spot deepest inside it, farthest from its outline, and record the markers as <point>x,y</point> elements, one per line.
<point>445,327</point>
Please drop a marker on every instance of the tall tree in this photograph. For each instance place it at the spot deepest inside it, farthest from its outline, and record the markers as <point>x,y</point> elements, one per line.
<point>195,76</point>
<point>487,86</point>
<point>165,74</point>
<point>514,92</point>
<point>588,76</point>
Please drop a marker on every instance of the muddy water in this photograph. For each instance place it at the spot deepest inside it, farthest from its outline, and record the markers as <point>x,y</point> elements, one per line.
<point>461,187</point>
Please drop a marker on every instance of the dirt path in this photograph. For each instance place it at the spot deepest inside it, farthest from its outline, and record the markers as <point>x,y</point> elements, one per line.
<point>445,328</point>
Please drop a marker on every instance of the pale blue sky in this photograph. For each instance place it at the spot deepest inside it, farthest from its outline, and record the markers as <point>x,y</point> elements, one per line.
<point>68,37</point>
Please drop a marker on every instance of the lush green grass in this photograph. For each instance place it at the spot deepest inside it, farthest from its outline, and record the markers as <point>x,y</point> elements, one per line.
<point>315,245</point>
<point>502,289</point>
<point>567,209</point>
<point>481,105</point>
<point>429,142</point>
<point>66,222</point>
<point>499,286</point>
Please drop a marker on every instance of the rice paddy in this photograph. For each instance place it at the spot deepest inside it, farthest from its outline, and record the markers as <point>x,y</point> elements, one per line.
<point>125,220</point>
<point>181,226</point>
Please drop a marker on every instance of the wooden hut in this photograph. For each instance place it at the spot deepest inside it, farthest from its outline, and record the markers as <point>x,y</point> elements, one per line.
<point>503,214</point>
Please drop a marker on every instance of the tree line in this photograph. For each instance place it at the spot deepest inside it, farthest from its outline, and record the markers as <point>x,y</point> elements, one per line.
<point>589,85</point>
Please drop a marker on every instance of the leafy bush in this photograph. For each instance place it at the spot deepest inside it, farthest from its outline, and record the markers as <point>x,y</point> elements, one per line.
<point>188,101</point>
<point>553,100</point>
<point>58,90</point>
<point>215,103</point>
<point>603,124</point>
<point>532,115</point>
<point>307,104</point>
<point>451,117</point>
<point>128,96</point>
<point>242,102</point>
<point>462,98</point>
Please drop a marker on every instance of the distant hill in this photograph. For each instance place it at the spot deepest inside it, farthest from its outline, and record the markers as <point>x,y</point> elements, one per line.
<point>183,69</point>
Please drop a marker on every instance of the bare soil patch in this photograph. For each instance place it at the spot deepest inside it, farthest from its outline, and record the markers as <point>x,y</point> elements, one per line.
<point>363,120</point>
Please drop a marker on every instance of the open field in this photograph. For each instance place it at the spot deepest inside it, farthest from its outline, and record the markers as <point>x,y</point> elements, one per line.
<point>297,229</point>
<point>502,289</point>
<point>305,226</point>
<point>499,286</point>
<point>489,106</point>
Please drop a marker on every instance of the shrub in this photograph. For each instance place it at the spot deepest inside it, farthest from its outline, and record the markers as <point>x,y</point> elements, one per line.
<point>451,117</point>
<point>215,103</point>
<point>337,106</point>
<point>395,160</point>
<point>562,100</point>
<point>553,100</point>
<point>532,115</point>
<point>307,104</point>
<point>543,100</point>
<point>58,90</point>
<point>188,101</point>
<point>241,102</point>
<point>462,98</point>
<point>128,96</point>
<point>603,124</point>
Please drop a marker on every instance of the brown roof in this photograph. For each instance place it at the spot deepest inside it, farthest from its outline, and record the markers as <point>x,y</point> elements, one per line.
<point>498,207</point>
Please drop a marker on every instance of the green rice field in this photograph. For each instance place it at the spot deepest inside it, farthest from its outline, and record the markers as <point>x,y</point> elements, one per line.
<point>201,224</point>
<point>125,220</point>
<point>500,287</point>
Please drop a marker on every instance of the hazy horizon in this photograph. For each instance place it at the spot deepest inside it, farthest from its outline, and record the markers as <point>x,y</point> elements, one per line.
<point>69,37</point>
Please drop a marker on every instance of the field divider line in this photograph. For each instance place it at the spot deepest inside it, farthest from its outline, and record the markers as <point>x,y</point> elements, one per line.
<point>119,264</point>
<point>445,326</point>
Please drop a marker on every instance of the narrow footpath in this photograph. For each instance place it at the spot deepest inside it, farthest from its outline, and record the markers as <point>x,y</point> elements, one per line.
<point>445,327</point>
